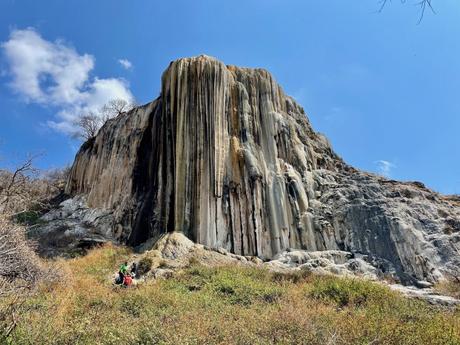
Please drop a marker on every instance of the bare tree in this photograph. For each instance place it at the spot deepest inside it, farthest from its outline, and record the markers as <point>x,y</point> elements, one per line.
<point>89,125</point>
<point>422,4</point>
<point>15,191</point>
<point>90,122</point>
<point>20,267</point>
<point>116,107</point>
<point>25,192</point>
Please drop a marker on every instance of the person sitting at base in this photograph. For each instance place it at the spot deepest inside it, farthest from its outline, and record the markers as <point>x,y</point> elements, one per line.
<point>128,280</point>
<point>121,273</point>
<point>134,270</point>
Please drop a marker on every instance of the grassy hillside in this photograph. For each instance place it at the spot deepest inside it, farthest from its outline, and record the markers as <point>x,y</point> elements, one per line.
<point>229,305</point>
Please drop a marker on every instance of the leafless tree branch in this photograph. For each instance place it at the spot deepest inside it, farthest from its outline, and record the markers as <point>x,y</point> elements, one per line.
<point>20,268</point>
<point>13,185</point>
<point>422,4</point>
<point>90,123</point>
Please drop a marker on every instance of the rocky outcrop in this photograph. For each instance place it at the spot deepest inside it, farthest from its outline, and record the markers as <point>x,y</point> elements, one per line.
<point>173,252</point>
<point>72,228</point>
<point>225,157</point>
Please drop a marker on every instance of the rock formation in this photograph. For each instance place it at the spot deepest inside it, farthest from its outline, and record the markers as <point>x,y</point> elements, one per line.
<point>174,252</point>
<point>225,157</point>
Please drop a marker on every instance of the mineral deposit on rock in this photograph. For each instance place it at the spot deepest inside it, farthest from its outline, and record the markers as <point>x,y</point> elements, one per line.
<point>225,157</point>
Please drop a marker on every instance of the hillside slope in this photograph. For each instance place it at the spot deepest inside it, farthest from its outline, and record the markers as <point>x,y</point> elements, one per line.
<point>224,156</point>
<point>225,305</point>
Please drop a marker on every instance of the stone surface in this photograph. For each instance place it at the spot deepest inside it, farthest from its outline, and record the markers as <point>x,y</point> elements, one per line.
<point>326,262</point>
<point>426,294</point>
<point>174,252</point>
<point>225,157</point>
<point>72,228</point>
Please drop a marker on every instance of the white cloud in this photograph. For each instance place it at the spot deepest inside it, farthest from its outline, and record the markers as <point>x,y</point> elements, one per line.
<point>384,167</point>
<point>55,74</point>
<point>125,63</point>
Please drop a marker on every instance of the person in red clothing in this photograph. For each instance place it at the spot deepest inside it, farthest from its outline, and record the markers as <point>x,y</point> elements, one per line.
<point>127,280</point>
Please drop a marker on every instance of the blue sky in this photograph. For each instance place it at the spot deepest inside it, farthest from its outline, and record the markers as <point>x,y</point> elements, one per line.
<point>384,90</point>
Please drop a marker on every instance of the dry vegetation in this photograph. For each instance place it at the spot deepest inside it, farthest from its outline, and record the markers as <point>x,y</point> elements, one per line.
<point>20,271</point>
<point>23,196</point>
<point>449,287</point>
<point>18,261</point>
<point>228,305</point>
<point>25,191</point>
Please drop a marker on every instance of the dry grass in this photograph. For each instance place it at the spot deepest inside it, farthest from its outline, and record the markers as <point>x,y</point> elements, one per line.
<point>18,261</point>
<point>20,272</point>
<point>229,305</point>
<point>449,288</point>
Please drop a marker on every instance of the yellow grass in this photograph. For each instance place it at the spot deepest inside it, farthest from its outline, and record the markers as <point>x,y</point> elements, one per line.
<point>449,288</point>
<point>229,305</point>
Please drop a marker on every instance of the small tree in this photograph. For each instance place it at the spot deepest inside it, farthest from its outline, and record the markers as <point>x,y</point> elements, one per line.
<point>89,123</point>
<point>16,193</point>
<point>25,189</point>
<point>115,108</point>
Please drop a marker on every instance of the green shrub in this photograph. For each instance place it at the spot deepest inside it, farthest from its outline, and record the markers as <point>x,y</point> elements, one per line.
<point>291,276</point>
<point>133,303</point>
<point>28,218</point>
<point>347,291</point>
<point>144,266</point>
<point>150,336</point>
<point>193,261</point>
<point>235,286</point>
<point>449,288</point>
<point>240,287</point>
<point>163,264</point>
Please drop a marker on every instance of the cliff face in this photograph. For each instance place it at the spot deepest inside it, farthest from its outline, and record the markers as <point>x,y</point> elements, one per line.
<point>224,156</point>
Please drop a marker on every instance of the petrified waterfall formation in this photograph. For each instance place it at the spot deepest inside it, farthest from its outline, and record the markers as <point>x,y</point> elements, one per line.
<point>224,156</point>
